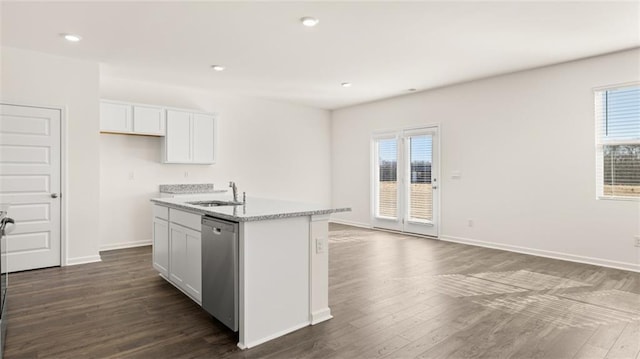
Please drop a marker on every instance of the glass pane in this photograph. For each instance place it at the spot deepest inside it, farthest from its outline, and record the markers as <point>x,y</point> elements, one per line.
<point>621,114</point>
<point>388,178</point>
<point>621,164</point>
<point>420,191</point>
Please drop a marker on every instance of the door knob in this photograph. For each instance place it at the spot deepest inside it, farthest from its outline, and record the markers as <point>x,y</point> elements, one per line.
<point>7,226</point>
<point>54,195</point>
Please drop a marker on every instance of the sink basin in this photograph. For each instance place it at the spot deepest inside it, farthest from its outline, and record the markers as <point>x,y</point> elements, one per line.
<point>215,203</point>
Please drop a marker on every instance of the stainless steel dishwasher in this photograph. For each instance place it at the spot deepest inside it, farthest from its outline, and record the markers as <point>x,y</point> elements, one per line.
<point>220,270</point>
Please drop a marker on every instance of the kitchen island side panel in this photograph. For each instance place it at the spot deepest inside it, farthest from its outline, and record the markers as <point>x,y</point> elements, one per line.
<point>274,278</point>
<point>319,269</point>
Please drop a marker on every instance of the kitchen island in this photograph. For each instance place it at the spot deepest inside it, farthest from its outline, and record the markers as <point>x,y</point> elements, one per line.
<point>282,259</point>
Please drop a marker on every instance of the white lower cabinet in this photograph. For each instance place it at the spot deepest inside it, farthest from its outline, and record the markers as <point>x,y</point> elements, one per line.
<point>177,250</point>
<point>161,246</point>
<point>186,263</point>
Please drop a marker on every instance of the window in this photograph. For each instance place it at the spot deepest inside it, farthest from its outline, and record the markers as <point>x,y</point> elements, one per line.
<point>618,142</point>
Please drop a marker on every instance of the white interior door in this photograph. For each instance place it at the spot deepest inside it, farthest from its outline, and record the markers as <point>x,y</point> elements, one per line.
<point>405,175</point>
<point>30,184</point>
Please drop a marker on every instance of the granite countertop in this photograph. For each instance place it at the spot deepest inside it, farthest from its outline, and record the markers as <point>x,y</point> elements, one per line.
<point>255,209</point>
<point>190,188</point>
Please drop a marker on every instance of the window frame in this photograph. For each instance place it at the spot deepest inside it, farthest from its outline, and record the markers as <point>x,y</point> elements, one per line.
<point>600,142</point>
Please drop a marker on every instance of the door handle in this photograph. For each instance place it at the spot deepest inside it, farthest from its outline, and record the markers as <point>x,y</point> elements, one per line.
<point>54,195</point>
<point>7,226</point>
<point>434,187</point>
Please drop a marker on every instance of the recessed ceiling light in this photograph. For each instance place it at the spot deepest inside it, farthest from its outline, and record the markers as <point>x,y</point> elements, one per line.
<point>71,37</point>
<point>309,21</point>
<point>217,67</point>
<point>346,84</point>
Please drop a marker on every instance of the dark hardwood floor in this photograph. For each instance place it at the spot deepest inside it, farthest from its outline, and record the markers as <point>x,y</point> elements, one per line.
<point>391,295</point>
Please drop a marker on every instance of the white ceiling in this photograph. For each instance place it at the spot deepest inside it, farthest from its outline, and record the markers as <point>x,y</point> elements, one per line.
<point>383,48</point>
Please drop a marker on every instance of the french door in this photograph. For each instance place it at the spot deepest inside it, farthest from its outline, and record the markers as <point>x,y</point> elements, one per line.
<point>405,181</point>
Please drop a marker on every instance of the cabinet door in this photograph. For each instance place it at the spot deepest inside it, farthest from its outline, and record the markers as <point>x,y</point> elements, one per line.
<point>203,138</point>
<point>178,137</point>
<point>115,117</point>
<point>148,120</point>
<point>161,246</point>
<point>178,255</point>
<point>186,261</point>
<point>193,278</point>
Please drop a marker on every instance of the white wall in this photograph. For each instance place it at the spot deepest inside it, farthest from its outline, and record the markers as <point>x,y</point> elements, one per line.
<point>39,79</point>
<point>271,150</point>
<point>524,144</point>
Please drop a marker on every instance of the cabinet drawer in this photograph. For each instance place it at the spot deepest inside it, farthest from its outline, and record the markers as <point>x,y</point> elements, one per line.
<point>186,219</point>
<point>161,212</point>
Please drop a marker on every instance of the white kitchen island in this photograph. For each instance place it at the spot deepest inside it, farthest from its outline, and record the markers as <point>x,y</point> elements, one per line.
<point>282,255</point>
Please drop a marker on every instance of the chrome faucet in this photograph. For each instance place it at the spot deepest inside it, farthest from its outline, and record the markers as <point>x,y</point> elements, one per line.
<point>235,190</point>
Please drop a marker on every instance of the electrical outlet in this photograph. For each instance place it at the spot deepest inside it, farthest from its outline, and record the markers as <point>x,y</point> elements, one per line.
<point>470,222</point>
<point>637,241</point>
<point>320,245</point>
<point>131,176</point>
<point>186,174</point>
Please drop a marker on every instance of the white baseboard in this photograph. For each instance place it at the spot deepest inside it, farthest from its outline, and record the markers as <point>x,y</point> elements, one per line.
<point>544,253</point>
<point>253,343</point>
<point>321,316</point>
<point>350,223</point>
<point>122,245</point>
<point>82,260</point>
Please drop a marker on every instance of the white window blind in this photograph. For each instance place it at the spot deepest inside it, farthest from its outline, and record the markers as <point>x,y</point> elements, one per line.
<point>387,178</point>
<point>420,197</point>
<point>618,142</point>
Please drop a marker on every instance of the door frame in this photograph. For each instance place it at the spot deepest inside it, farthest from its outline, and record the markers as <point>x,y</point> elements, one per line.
<point>64,174</point>
<point>398,134</point>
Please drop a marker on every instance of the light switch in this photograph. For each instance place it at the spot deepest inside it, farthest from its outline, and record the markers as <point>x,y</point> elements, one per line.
<point>456,175</point>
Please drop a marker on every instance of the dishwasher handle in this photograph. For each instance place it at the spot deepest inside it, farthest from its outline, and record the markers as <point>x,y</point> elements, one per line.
<point>217,226</point>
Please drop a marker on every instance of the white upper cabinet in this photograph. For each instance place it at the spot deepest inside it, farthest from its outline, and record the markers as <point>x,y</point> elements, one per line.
<point>148,120</point>
<point>203,138</point>
<point>178,141</point>
<point>115,117</point>
<point>190,138</point>
<point>122,117</point>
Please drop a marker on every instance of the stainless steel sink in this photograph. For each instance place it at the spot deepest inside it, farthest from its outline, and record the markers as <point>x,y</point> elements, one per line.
<point>214,203</point>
